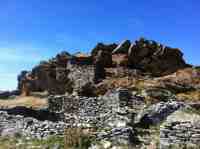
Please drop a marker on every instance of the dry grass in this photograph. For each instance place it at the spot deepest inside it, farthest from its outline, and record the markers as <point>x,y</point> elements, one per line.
<point>29,101</point>
<point>76,138</point>
<point>124,82</point>
<point>189,96</point>
<point>22,143</point>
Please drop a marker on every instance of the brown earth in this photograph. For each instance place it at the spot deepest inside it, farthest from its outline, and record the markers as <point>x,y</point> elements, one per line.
<point>26,101</point>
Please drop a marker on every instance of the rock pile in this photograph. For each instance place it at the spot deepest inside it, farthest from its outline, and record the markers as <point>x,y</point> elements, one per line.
<point>155,58</point>
<point>18,125</point>
<point>181,128</point>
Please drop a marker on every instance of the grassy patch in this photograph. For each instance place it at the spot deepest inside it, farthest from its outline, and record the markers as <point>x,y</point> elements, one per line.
<point>22,143</point>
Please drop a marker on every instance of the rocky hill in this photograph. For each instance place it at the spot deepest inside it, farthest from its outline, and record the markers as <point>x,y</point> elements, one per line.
<point>129,95</point>
<point>72,73</point>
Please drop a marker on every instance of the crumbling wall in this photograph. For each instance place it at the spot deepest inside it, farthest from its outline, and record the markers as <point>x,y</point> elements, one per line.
<point>181,128</point>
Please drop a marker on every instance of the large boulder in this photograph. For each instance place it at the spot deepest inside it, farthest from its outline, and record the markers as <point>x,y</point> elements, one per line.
<point>106,51</point>
<point>104,47</point>
<point>155,58</point>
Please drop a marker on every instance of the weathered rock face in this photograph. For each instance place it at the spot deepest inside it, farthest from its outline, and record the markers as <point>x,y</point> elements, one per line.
<point>155,58</point>
<point>145,56</point>
<point>181,129</point>
<point>106,51</point>
<point>49,76</point>
<point>122,48</point>
<point>62,74</point>
<point>103,47</point>
<point>20,78</point>
<point>99,70</point>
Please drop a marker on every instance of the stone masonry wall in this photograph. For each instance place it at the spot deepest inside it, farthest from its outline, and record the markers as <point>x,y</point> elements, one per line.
<point>180,128</point>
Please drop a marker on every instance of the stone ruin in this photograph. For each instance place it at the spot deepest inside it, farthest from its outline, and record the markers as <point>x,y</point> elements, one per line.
<point>113,112</point>
<point>181,129</point>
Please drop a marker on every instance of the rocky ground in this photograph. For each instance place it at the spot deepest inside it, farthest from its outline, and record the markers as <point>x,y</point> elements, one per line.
<point>139,95</point>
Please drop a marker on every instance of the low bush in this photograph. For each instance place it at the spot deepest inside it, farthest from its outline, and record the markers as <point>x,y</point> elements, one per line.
<point>76,138</point>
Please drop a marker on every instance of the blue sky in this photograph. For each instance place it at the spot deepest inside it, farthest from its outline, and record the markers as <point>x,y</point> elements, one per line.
<point>33,30</point>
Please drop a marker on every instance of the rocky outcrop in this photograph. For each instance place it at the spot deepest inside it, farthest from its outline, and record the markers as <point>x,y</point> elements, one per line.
<point>122,48</point>
<point>144,55</point>
<point>155,58</point>
<point>64,73</point>
<point>181,129</point>
<point>48,75</point>
<point>106,51</point>
<point>103,47</point>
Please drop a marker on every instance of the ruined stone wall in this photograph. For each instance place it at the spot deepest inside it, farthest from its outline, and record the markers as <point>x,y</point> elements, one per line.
<point>102,110</point>
<point>80,75</point>
<point>181,128</point>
